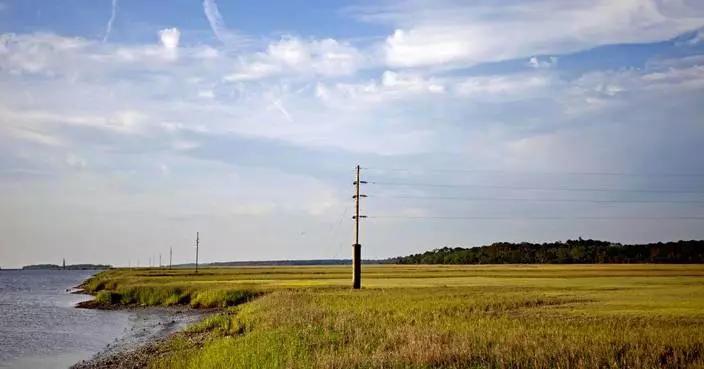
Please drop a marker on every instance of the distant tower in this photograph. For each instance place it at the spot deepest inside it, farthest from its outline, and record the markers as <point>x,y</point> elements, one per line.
<point>64,264</point>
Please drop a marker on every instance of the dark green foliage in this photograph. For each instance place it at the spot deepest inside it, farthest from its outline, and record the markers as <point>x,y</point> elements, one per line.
<point>570,252</point>
<point>108,297</point>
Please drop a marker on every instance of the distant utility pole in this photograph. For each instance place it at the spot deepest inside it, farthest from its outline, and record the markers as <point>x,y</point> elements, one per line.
<point>356,247</point>
<point>64,264</point>
<point>171,254</point>
<point>197,243</point>
<point>159,260</point>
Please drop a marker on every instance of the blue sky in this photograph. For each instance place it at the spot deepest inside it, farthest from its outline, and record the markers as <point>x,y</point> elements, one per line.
<point>126,126</point>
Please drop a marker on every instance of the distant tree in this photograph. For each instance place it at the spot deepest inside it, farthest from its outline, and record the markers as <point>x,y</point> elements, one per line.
<point>570,251</point>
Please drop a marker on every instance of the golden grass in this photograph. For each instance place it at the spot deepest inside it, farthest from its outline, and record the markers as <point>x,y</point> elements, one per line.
<point>508,316</point>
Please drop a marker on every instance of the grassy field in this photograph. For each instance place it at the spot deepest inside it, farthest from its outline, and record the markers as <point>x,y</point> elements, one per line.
<point>527,316</point>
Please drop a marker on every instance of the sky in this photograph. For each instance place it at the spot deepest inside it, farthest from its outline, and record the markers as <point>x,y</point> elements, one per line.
<point>126,126</point>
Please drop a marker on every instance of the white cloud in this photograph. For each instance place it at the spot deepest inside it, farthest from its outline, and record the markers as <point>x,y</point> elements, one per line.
<point>124,121</point>
<point>292,55</point>
<point>38,53</point>
<point>206,94</point>
<point>184,145</point>
<point>394,80</point>
<point>390,86</point>
<point>128,120</point>
<point>53,55</point>
<point>458,34</point>
<point>503,86</point>
<point>427,46</point>
<point>676,63</point>
<point>253,70</point>
<point>613,83</point>
<point>536,62</point>
<point>253,209</point>
<point>73,160</point>
<point>324,202</point>
<point>27,134</point>
<point>169,39</point>
<point>206,52</point>
<point>317,100</point>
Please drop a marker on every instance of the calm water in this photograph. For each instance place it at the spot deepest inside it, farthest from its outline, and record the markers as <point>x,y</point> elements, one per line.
<point>39,326</point>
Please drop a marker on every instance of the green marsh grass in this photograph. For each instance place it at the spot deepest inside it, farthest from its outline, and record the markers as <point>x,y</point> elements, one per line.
<point>507,316</point>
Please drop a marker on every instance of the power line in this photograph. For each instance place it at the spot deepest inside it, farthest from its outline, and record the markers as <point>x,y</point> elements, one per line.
<point>568,189</point>
<point>336,231</point>
<point>605,174</point>
<point>531,217</point>
<point>478,199</point>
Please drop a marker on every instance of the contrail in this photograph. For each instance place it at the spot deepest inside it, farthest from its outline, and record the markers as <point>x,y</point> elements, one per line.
<point>217,24</point>
<point>278,104</point>
<point>112,19</point>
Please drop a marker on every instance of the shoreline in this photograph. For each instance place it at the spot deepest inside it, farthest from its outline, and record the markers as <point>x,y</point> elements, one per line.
<point>148,335</point>
<point>146,338</point>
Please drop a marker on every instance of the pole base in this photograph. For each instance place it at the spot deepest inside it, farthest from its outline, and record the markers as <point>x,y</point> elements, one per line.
<point>356,266</point>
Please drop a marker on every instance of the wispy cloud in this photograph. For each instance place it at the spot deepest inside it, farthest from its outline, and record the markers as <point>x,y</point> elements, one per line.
<point>293,55</point>
<point>75,161</point>
<point>217,24</point>
<point>108,29</point>
<point>452,33</point>
<point>537,62</point>
<point>279,105</point>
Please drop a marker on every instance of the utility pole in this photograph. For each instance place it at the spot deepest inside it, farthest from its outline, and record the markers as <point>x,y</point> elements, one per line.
<point>171,254</point>
<point>356,247</point>
<point>64,264</point>
<point>159,260</point>
<point>197,243</point>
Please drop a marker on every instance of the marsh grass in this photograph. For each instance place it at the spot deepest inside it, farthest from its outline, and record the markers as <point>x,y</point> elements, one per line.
<point>128,291</point>
<point>604,316</point>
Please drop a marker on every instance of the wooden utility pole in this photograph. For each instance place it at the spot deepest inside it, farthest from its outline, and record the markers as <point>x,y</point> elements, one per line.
<point>171,255</point>
<point>197,243</point>
<point>159,260</point>
<point>356,247</point>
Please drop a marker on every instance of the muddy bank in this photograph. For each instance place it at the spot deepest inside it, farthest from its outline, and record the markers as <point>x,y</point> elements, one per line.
<point>144,339</point>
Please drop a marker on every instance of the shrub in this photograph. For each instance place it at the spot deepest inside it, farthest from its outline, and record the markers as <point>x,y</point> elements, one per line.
<point>108,297</point>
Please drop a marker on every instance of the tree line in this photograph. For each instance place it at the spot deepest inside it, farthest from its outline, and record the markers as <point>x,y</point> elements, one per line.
<point>68,267</point>
<point>285,262</point>
<point>569,252</point>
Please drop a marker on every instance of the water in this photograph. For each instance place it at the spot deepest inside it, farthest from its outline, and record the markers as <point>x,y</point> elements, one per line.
<point>40,327</point>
